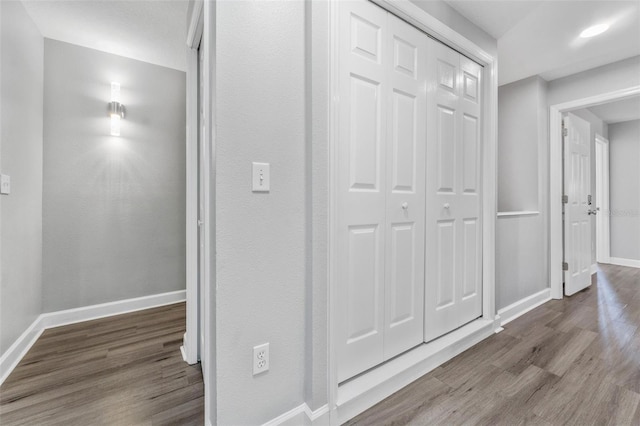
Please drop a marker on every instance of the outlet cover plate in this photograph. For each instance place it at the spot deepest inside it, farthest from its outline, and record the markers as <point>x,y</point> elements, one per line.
<point>260,358</point>
<point>5,184</point>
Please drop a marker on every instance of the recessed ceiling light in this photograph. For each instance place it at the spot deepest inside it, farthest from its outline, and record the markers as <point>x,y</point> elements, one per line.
<point>594,31</point>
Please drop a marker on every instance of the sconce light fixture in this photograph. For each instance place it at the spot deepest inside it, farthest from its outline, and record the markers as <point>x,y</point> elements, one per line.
<point>116,109</point>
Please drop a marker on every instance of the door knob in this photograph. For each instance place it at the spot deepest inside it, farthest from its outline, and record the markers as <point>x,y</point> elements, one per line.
<point>594,211</point>
<point>446,206</point>
<point>405,205</point>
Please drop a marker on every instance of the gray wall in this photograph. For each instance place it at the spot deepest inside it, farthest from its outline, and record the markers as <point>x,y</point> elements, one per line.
<point>21,83</point>
<point>521,240</point>
<point>114,207</point>
<point>271,276</point>
<point>624,159</point>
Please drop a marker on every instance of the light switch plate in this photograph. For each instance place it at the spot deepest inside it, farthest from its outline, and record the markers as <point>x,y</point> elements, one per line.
<point>260,177</point>
<point>5,184</point>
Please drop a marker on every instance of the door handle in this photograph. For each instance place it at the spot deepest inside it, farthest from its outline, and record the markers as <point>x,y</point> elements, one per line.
<point>405,205</point>
<point>592,212</point>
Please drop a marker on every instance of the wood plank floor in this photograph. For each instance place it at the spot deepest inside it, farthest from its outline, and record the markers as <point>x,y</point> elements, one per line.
<point>574,361</point>
<point>121,370</point>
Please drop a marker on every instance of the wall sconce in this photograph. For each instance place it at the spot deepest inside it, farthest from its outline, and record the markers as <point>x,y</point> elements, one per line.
<point>116,109</point>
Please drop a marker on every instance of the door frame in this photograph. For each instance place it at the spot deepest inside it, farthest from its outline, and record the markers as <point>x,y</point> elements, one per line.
<point>201,30</point>
<point>409,12</point>
<point>191,354</point>
<point>555,176</point>
<point>603,245</point>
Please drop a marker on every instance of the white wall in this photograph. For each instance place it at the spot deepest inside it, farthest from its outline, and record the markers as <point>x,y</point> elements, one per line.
<point>624,162</point>
<point>114,207</point>
<point>272,105</point>
<point>260,241</point>
<point>521,240</point>
<point>21,72</point>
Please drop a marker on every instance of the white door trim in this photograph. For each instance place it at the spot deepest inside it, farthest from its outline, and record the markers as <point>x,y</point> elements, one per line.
<point>201,30</point>
<point>427,23</point>
<point>191,336</point>
<point>555,176</point>
<point>603,244</point>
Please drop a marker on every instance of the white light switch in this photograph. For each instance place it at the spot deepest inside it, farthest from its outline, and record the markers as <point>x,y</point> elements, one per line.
<point>260,177</point>
<point>5,184</point>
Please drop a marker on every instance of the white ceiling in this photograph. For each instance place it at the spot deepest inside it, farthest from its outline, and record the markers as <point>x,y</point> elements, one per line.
<point>542,37</point>
<point>618,111</point>
<point>150,31</point>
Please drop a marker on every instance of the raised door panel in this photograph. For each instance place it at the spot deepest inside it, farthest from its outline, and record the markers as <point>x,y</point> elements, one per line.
<point>468,282</point>
<point>406,141</point>
<point>453,285</point>
<point>577,221</point>
<point>362,185</point>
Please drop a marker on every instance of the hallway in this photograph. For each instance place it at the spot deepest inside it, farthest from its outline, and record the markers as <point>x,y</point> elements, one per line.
<point>121,370</point>
<point>570,361</point>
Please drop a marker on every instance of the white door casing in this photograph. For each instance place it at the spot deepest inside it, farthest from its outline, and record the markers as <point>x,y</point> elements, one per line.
<point>380,187</point>
<point>577,220</point>
<point>602,200</point>
<point>201,207</point>
<point>453,286</point>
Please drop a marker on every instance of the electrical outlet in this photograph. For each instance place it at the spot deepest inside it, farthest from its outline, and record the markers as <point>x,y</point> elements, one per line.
<point>260,358</point>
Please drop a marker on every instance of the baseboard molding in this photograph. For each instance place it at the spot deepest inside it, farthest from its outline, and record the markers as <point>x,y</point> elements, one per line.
<point>365,391</point>
<point>632,263</point>
<point>88,313</point>
<point>301,415</point>
<point>19,349</point>
<point>21,346</point>
<point>521,307</point>
<point>594,268</point>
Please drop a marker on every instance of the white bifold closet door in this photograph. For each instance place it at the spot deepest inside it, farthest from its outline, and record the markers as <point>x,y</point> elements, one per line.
<point>381,187</point>
<point>453,286</point>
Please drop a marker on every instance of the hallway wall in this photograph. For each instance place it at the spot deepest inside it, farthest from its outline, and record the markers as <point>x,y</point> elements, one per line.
<point>624,158</point>
<point>114,207</point>
<point>20,158</point>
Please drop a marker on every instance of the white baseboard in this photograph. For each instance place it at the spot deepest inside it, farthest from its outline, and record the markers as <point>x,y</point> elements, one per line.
<point>521,307</point>
<point>21,346</point>
<point>87,313</point>
<point>365,391</point>
<point>301,415</point>
<point>19,349</point>
<point>632,263</point>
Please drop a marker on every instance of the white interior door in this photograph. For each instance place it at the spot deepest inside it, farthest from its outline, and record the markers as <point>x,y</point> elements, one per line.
<point>405,144</point>
<point>362,185</point>
<point>577,217</point>
<point>453,284</point>
<point>602,200</point>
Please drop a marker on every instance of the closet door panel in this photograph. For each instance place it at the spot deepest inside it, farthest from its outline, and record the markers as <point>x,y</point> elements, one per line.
<point>406,143</point>
<point>453,239</point>
<point>470,253</point>
<point>361,180</point>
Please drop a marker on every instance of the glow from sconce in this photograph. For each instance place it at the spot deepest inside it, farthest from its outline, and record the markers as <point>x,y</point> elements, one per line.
<point>116,109</point>
<point>115,125</point>
<point>594,30</point>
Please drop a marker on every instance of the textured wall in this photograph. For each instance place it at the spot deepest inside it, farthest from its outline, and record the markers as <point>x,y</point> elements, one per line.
<point>21,158</point>
<point>114,207</point>
<point>521,241</point>
<point>624,158</point>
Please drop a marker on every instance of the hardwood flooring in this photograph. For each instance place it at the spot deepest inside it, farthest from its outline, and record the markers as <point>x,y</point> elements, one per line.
<point>121,370</point>
<point>574,361</point>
